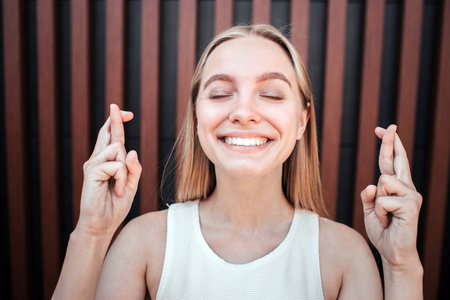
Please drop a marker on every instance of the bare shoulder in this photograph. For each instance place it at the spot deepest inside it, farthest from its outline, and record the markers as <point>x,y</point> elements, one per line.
<point>148,235</point>
<point>347,265</point>
<point>133,265</point>
<point>334,235</point>
<point>149,224</point>
<point>146,230</point>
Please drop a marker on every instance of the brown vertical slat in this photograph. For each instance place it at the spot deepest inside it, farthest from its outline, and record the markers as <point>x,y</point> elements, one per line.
<point>223,15</point>
<point>187,37</point>
<point>436,195</point>
<point>409,73</point>
<point>48,144</point>
<point>300,27</point>
<point>333,94</point>
<point>16,154</point>
<point>149,104</point>
<point>80,93</point>
<point>368,110</point>
<point>115,54</point>
<point>261,11</point>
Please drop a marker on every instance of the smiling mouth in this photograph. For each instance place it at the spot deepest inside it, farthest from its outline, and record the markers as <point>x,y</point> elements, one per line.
<point>237,141</point>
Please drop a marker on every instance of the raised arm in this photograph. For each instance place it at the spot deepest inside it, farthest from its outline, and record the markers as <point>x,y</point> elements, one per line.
<point>111,178</point>
<point>391,214</point>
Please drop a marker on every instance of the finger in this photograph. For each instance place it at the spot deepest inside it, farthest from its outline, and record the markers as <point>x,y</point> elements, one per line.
<point>386,157</point>
<point>134,171</point>
<point>104,135</point>
<point>126,115</point>
<point>112,169</point>
<point>103,138</point>
<point>380,131</point>
<point>391,185</point>
<point>398,207</point>
<point>112,152</point>
<point>401,163</point>
<point>385,206</point>
<point>118,117</point>
<point>121,178</point>
<point>368,199</point>
<point>117,130</point>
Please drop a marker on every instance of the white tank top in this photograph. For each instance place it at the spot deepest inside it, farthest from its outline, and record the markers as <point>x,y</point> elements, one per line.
<point>193,271</point>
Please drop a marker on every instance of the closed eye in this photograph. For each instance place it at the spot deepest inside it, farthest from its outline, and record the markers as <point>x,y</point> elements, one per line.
<point>219,96</point>
<point>274,97</point>
<point>272,93</point>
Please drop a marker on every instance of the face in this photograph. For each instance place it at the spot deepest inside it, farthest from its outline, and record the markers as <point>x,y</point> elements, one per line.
<point>249,114</point>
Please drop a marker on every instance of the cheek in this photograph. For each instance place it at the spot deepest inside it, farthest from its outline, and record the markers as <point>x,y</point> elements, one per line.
<point>208,118</point>
<point>287,119</point>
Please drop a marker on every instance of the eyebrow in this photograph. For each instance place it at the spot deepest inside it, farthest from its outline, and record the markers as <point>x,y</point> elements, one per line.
<point>263,77</point>
<point>218,77</point>
<point>273,75</point>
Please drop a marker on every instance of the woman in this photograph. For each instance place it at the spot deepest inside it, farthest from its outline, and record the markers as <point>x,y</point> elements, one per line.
<point>252,225</point>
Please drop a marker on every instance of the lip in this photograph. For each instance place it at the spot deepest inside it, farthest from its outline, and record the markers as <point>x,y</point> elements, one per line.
<point>245,134</point>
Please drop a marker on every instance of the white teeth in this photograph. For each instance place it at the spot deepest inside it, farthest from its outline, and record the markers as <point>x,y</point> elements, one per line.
<point>245,141</point>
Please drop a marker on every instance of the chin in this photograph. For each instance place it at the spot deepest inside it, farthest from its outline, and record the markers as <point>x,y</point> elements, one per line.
<point>247,170</point>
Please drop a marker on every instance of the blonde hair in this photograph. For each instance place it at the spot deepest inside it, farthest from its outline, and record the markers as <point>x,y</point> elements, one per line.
<point>301,182</point>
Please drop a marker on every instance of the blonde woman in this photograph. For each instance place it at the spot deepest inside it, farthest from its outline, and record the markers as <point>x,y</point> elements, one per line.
<point>250,222</point>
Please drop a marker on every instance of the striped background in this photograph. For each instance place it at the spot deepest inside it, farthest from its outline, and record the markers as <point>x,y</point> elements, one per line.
<point>372,63</point>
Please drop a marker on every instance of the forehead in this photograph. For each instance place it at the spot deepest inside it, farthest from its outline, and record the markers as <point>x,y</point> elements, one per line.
<point>249,56</point>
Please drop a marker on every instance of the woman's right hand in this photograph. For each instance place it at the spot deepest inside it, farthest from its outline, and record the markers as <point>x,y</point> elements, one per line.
<point>111,177</point>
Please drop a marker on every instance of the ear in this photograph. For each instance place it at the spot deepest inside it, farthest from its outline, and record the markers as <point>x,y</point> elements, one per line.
<point>304,119</point>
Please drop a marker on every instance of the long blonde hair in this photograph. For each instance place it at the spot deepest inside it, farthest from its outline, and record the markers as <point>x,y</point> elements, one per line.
<point>301,182</point>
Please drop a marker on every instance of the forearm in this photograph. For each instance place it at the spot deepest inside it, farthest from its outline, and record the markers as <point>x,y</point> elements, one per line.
<point>82,265</point>
<point>403,283</point>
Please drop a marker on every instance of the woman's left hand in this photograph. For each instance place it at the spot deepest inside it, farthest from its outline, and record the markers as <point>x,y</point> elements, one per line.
<point>391,209</point>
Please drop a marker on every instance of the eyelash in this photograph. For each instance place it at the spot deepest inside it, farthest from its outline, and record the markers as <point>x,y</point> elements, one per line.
<point>273,97</point>
<point>220,96</point>
<point>265,94</point>
<point>215,97</point>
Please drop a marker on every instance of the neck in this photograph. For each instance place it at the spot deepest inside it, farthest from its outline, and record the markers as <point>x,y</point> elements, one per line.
<point>249,203</point>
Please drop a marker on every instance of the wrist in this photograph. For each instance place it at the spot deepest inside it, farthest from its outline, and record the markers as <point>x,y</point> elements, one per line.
<point>84,258</point>
<point>96,231</point>
<point>408,266</point>
<point>403,281</point>
<point>94,238</point>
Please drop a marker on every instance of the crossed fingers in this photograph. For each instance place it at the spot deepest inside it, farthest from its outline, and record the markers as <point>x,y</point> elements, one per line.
<point>393,159</point>
<point>112,131</point>
<point>395,192</point>
<point>109,154</point>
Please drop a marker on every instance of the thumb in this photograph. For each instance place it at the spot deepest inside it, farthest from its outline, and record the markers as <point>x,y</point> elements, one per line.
<point>134,170</point>
<point>368,199</point>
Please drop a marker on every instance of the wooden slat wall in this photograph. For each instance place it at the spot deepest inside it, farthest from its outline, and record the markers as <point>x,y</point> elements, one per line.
<point>433,217</point>
<point>409,73</point>
<point>187,36</point>
<point>149,104</point>
<point>333,98</point>
<point>300,27</point>
<point>223,15</point>
<point>80,96</point>
<point>435,198</point>
<point>16,149</point>
<point>48,144</point>
<point>261,11</point>
<point>115,54</point>
<point>368,111</point>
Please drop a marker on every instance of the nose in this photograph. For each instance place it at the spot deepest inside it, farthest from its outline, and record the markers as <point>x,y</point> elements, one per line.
<point>245,111</point>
